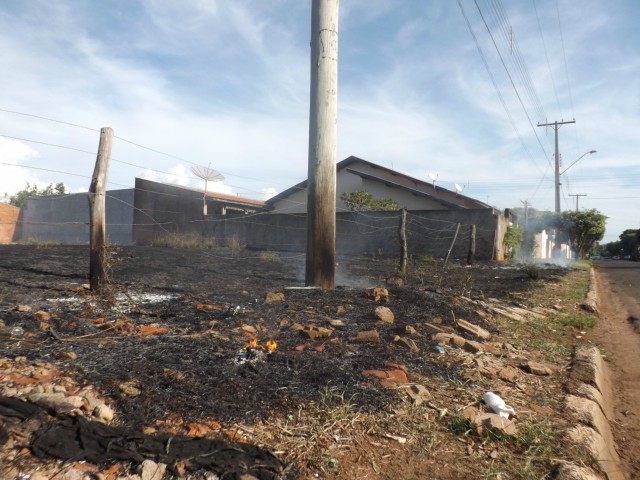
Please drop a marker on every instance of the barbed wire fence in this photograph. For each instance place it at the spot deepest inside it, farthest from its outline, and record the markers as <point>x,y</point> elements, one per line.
<point>370,233</point>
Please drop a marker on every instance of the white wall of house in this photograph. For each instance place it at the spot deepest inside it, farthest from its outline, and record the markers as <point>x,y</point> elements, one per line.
<point>545,245</point>
<point>350,182</point>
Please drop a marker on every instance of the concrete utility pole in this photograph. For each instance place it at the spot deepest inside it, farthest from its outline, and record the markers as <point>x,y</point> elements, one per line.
<point>556,125</point>
<point>323,115</point>
<point>577,195</point>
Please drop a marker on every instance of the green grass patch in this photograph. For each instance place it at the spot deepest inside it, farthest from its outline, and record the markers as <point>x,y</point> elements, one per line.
<point>581,321</point>
<point>577,290</point>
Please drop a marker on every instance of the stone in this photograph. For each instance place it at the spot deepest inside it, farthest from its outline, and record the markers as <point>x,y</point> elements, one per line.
<point>419,394</point>
<point>442,337</point>
<point>472,347</point>
<point>23,308</point>
<point>395,281</point>
<point>151,330</point>
<point>130,388</point>
<point>384,315</point>
<point>336,322</point>
<point>473,329</point>
<point>494,422</point>
<point>568,471</point>
<point>407,343</point>
<point>273,297</point>
<point>56,402</point>
<point>508,374</point>
<point>379,294</point>
<point>536,368</point>
<point>314,332</point>
<point>152,470</point>
<point>70,355</point>
<point>103,413</point>
<point>42,316</point>
<point>387,378</point>
<point>410,330</point>
<point>368,336</point>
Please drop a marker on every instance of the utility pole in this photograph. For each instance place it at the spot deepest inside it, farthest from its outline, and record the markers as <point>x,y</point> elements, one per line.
<point>556,125</point>
<point>526,213</point>
<point>323,115</point>
<point>97,258</point>
<point>577,195</point>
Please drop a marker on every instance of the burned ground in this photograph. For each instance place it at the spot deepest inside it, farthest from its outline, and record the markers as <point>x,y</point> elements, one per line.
<point>175,322</point>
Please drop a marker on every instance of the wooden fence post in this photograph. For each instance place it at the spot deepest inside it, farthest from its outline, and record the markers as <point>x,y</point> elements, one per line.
<point>97,261</point>
<point>471,257</point>
<point>403,243</point>
<point>451,247</point>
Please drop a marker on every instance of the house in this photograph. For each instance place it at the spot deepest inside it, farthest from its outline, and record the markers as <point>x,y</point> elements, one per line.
<point>132,215</point>
<point>354,173</point>
<point>440,221</point>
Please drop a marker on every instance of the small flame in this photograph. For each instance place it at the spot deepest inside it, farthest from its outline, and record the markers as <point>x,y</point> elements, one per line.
<point>253,343</point>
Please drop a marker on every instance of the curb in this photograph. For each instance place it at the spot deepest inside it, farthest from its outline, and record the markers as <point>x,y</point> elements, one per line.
<point>590,403</point>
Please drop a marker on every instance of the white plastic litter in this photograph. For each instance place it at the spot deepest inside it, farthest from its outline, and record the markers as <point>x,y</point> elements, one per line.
<point>497,404</point>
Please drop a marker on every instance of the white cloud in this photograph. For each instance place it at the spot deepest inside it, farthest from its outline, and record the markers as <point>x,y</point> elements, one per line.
<point>14,177</point>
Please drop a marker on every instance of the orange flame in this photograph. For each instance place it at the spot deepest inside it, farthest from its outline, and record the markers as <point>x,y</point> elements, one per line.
<point>253,343</point>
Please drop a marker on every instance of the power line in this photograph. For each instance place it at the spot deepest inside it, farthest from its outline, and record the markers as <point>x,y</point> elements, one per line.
<point>512,82</point>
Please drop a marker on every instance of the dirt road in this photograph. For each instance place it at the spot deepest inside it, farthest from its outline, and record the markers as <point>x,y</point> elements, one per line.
<point>619,333</point>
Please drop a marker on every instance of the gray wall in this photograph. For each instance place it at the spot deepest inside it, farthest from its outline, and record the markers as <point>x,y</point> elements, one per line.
<point>165,212</point>
<point>65,218</point>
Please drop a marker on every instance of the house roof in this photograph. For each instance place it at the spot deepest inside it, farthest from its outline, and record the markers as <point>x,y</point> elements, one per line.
<point>392,178</point>
<point>221,197</point>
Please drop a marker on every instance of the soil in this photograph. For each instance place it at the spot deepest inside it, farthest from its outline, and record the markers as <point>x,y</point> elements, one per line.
<point>167,349</point>
<point>617,333</point>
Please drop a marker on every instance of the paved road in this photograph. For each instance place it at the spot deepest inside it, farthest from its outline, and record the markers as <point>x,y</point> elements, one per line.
<point>623,278</point>
<point>618,332</point>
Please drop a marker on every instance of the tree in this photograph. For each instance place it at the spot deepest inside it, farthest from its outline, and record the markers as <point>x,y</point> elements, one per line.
<point>20,198</point>
<point>584,228</point>
<point>361,200</point>
<point>512,241</point>
<point>629,241</point>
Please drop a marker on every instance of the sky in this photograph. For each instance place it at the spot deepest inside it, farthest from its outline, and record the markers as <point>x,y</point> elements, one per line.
<point>450,88</point>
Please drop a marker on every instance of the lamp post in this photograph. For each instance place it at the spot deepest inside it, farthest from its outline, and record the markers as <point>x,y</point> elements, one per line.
<point>558,173</point>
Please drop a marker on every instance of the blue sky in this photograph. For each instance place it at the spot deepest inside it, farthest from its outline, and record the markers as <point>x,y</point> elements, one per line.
<point>226,83</point>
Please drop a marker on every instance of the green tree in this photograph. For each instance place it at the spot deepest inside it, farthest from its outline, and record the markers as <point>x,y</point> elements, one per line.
<point>512,241</point>
<point>629,241</point>
<point>20,198</point>
<point>584,228</point>
<point>361,200</point>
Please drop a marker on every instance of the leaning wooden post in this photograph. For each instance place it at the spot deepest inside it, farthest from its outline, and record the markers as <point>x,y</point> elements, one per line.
<point>403,243</point>
<point>97,262</point>
<point>471,257</point>
<point>323,115</point>
<point>451,247</point>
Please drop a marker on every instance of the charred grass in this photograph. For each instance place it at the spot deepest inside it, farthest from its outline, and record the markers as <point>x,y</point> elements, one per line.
<point>309,402</point>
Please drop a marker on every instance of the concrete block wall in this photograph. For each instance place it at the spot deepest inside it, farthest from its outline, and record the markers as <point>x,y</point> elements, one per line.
<point>164,212</point>
<point>65,218</point>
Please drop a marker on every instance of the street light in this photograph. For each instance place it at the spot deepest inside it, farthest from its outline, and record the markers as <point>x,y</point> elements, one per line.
<point>583,155</point>
<point>558,173</point>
